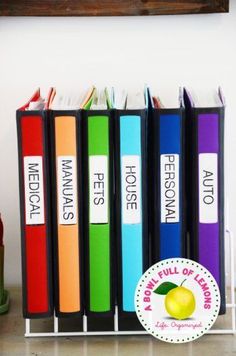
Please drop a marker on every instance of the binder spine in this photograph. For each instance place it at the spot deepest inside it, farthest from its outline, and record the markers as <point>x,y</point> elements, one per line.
<point>131,203</point>
<point>68,264</point>
<point>37,292</point>
<point>205,167</point>
<point>98,223</point>
<point>166,168</point>
<point>210,188</point>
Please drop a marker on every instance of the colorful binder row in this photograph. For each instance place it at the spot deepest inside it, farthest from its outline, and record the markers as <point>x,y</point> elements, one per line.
<point>109,187</point>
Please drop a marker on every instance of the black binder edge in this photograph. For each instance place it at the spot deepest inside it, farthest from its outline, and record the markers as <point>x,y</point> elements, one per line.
<point>85,115</point>
<point>44,116</point>
<point>221,211</point>
<point>53,114</point>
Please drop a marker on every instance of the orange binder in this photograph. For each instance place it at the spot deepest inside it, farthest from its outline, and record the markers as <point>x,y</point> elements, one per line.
<point>66,215</point>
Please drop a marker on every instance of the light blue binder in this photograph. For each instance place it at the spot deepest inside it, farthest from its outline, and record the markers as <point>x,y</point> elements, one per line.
<point>131,234</point>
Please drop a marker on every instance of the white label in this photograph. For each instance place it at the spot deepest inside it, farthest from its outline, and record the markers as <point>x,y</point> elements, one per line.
<point>34,191</point>
<point>67,190</point>
<point>169,188</point>
<point>208,183</point>
<point>98,189</point>
<point>131,189</point>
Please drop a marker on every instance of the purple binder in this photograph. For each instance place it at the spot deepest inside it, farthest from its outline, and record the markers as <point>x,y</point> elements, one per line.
<point>208,232</point>
<point>205,188</point>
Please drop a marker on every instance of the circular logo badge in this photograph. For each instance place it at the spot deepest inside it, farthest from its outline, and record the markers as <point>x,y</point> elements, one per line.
<point>177,300</point>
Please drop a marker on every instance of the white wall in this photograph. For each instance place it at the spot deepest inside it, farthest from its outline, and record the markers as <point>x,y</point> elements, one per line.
<point>165,52</point>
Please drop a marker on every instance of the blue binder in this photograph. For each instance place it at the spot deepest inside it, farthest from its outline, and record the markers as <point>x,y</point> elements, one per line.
<point>170,146</point>
<point>131,203</point>
<point>167,183</point>
<point>131,234</point>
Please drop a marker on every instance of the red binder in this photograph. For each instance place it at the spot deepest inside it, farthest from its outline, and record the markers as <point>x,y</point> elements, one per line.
<point>35,209</point>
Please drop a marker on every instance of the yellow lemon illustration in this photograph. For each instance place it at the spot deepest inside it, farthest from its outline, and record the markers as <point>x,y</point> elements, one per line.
<point>180,303</point>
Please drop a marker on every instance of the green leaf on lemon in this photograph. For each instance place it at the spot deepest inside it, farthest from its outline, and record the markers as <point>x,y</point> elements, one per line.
<point>164,288</point>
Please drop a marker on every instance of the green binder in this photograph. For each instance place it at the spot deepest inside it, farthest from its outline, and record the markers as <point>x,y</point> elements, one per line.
<point>99,219</point>
<point>98,202</point>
